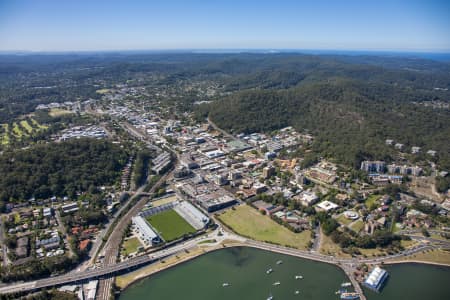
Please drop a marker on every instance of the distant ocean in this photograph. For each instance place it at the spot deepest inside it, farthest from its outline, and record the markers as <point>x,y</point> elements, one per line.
<point>438,56</point>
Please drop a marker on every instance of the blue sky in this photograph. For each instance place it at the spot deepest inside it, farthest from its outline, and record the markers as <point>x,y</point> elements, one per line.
<point>59,25</point>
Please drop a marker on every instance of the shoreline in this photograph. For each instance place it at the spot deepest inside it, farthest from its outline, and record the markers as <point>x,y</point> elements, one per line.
<point>417,262</point>
<point>203,251</point>
<point>190,256</point>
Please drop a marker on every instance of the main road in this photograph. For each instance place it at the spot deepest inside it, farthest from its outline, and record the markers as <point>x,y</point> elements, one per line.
<point>108,271</point>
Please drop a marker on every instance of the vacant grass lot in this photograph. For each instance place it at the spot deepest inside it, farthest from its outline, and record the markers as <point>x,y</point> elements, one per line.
<point>433,256</point>
<point>102,91</point>
<point>371,201</point>
<point>56,112</point>
<point>130,246</point>
<point>343,220</point>
<point>357,225</point>
<point>164,201</point>
<point>248,222</point>
<point>170,225</point>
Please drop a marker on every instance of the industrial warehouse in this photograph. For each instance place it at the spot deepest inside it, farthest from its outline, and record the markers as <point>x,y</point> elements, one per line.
<point>180,218</point>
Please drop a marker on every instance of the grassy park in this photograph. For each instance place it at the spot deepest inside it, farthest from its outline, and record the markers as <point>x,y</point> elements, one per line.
<point>130,246</point>
<point>371,201</point>
<point>248,222</point>
<point>56,112</point>
<point>170,225</point>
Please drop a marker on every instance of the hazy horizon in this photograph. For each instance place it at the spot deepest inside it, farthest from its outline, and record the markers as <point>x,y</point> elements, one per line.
<point>99,26</point>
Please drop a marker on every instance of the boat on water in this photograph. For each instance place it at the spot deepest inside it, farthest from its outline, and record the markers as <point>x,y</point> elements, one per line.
<point>346,284</point>
<point>279,262</point>
<point>349,296</point>
<point>225,284</point>
<point>297,292</point>
<point>270,297</point>
<point>276,283</point>
<point>269,271</point>
<point>298,277</point>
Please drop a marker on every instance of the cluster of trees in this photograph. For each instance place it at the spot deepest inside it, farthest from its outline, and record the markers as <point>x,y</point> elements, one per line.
<point>44,295</point>
<point>85,217</point>
<point>37,268</point>
<point>141,167</point>
<point>348,239</point>
<point>442,184</point>
<point>59,169</point>
<point>350,119</point>
<point>380,238</point>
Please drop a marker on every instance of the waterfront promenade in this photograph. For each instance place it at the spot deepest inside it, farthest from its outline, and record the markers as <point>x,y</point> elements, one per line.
<point>230,238</point>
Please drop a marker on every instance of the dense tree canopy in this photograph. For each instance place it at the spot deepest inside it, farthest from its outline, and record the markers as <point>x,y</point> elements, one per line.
<point>350,119</point>
<point>59,169</point>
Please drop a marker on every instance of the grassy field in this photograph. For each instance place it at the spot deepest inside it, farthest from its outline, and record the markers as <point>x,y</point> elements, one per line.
<point>19,130</point>
<point>248,222</point>
<point>343,220</point>
<point>26,126</point>
<point>371,201</point>
<point>328,247</point>
<point>102,91</point>
<point>36,124</point>
<point>170,225</point>
<point>408,244</point>
<point>5,135</point>
<point>433,256</point>
<point>164,201</point>
<point>56,112</point>
<point>357,226</point>
<point>130,246</point>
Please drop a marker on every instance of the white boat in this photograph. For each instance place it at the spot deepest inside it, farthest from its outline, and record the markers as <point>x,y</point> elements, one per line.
<point>279,262</point>
<point>298,277</point>
<point>269,271</point>
<point>225,284</point>
<point>270,297</point>
<point>346,284</point>
<point>297,292</point>
<point>277,283</point>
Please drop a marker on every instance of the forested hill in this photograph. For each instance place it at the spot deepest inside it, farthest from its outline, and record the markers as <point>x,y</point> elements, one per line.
<point>59,169</point>
<point>350,118</point>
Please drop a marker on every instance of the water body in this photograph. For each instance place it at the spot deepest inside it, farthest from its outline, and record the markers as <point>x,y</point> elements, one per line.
<point>414,282</point>
<point>245,270</point>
